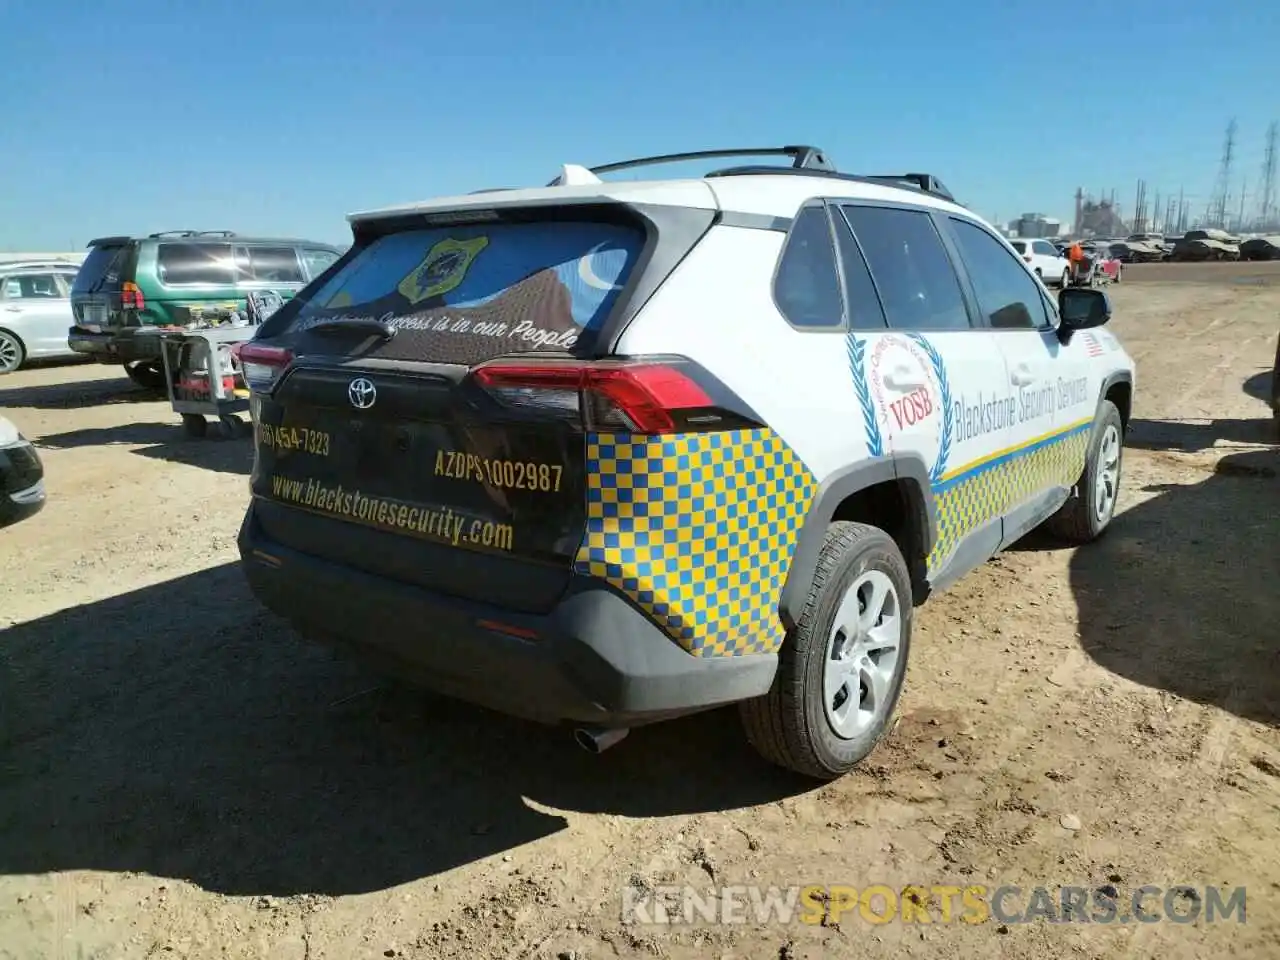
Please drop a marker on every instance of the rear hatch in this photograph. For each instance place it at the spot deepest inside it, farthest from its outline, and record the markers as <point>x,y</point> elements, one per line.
<point>96,295</point>
<point>421,413</point>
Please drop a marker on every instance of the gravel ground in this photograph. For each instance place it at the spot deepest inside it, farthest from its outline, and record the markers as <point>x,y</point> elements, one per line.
<point>181,777</point>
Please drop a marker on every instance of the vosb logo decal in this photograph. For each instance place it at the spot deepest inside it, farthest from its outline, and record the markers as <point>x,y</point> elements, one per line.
<point>902,386</point>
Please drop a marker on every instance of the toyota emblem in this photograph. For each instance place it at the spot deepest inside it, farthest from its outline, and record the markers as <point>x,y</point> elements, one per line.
<point>362,393</point>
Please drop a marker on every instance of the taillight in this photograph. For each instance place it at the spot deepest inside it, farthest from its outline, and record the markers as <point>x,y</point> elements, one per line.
<point>262,365</point>
<point>131,297</point>
<point>633,396</point>
<point>1028,259</point>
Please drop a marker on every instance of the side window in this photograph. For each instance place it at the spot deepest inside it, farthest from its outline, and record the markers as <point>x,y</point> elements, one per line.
<point>33,286</point>
<point>275,265</point>
<point>865,310</point>
<point>1045,249</point>
<point>195,263</point>
<point>807,286</point>
<point>918,285</point>
<point>1007,294</point>
<point>317,260</point>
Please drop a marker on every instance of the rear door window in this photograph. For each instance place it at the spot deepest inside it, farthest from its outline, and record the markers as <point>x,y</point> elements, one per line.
<point>275,265</point>
<point>203,264</point>
<point>466,294</point>
<point>912,270</point>
<point>102,269</point>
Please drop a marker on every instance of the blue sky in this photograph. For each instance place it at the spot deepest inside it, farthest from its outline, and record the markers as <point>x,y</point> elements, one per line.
<point>282,116</point>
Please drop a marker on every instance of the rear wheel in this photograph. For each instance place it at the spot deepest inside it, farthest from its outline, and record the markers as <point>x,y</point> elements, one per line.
<point>148,374</point>
<point>12,352</point>
<point>841,671</point>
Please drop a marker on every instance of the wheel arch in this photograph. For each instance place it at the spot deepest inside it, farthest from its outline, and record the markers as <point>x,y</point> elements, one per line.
<point>1118,388</point>
<point>892,493</point>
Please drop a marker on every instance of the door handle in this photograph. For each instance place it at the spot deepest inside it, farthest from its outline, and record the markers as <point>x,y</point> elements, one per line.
<point>1021,376</point>
<point>903,378</point>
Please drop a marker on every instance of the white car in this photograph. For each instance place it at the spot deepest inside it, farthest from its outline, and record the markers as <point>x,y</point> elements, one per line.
<point>602,453</point>
<point>35,311</point>
<point>1044,260</point>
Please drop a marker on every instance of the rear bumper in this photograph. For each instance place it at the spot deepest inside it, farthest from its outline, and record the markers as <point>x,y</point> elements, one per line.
<point>117,346</point>
<point>594,659</point>
<point>21,483</point>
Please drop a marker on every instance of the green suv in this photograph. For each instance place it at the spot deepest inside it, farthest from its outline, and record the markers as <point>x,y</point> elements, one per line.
<point>130,289</point>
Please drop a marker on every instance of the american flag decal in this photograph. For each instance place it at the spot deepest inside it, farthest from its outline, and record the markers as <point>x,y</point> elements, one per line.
<point>1091,345</point>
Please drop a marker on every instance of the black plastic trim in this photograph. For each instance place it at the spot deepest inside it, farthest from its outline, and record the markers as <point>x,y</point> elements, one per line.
<point>909,469</point>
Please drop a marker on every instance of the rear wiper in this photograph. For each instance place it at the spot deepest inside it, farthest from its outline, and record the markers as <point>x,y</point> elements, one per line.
<point>372,328</point>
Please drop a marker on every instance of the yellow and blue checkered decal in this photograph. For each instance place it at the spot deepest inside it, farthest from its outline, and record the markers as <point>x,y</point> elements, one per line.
<point>938,419</point>
<point>698,530</point>
<point>980,492</point>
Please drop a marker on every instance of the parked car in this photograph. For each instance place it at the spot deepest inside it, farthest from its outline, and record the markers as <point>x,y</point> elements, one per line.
<point>132,288</point>
<point>1261,248</point>
<point>494,455</point>
<point>21,476</point>
<point>1045,260</point>
<point>1099,267</point>
<point>1208,244</point>
<point>34,311</point>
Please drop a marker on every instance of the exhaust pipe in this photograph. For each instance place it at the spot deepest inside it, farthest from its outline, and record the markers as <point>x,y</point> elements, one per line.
<point>599,739</point>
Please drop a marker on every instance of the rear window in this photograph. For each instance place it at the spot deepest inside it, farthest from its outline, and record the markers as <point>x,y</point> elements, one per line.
<point>195,263</point>
<point>1018,245</point>
<point>101,269</point>
<point>467,294</point>
<point>317,260</point>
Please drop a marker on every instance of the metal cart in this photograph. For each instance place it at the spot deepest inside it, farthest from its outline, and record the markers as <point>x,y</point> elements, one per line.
<point>202,371</point>
<point>203,377</point>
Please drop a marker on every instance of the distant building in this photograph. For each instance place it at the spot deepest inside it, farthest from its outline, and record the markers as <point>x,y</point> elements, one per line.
<point>1034,226</point>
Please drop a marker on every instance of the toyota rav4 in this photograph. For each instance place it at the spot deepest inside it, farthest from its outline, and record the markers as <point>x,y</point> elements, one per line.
<point>603,453</point>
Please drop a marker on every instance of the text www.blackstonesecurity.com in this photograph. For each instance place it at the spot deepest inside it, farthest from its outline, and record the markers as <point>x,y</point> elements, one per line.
<point>443,524</point>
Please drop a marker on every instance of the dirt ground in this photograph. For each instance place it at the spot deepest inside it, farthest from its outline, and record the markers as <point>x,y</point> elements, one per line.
<point>181,777</point>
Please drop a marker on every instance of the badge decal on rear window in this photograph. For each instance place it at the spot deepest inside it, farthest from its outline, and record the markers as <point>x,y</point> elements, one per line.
<point>444,267</point>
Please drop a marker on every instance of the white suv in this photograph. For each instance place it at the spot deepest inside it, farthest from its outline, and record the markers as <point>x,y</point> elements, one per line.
<point>604,453</point>
<point>1045,261</point>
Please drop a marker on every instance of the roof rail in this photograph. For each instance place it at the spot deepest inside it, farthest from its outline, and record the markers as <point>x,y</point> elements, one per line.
<point>926,182</point>
<point>189,233</point>
<point>803,158</point>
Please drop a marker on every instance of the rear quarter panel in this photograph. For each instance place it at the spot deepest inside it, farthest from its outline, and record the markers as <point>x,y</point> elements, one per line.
<point>717,308</point>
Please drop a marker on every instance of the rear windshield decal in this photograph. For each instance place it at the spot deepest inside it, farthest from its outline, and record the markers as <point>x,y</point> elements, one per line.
<point>444,267</point>
<point>463,295</point>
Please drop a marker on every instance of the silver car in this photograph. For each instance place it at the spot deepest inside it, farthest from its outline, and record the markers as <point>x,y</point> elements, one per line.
<point>35,311</point>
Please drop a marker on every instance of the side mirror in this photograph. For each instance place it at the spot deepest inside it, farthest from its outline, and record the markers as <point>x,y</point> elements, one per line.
<point>1080,308</point>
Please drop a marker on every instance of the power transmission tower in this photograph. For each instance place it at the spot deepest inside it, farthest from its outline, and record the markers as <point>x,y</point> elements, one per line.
<point>1217,212</point>
<point>1267,201</point>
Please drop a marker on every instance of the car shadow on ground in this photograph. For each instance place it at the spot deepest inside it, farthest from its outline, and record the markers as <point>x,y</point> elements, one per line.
<point>181,731</point>
<point>1195,435</point>
<point>1183,592</point>
<point>73,396</point>
<point>166,441</point>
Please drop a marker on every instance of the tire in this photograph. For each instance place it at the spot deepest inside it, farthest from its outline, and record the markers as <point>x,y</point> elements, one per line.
<point>12,352</point>
<point>1119,274</point>
<point>792,725</point>
<point>148,374</point>
<point>232,426</point>
<point>1081,519</point>
<point>195,425</point>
